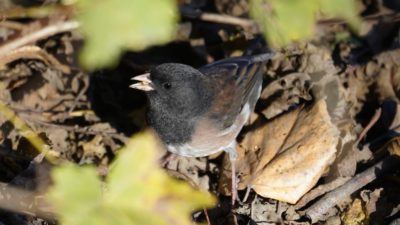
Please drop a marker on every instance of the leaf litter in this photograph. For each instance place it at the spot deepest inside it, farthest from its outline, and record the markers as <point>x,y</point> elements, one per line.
<point>302,145</point>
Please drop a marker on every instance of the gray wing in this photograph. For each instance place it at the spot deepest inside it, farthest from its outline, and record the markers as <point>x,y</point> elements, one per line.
<point>236,81</point>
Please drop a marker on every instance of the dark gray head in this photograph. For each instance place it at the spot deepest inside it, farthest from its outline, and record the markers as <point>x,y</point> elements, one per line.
<point>175,89</point>
<point>178,94</point>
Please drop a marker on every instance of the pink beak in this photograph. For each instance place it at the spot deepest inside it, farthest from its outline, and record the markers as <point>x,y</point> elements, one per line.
<point>145,83</point>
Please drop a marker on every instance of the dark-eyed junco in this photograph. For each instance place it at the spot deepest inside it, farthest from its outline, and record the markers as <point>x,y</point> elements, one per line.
<point>198,112</point>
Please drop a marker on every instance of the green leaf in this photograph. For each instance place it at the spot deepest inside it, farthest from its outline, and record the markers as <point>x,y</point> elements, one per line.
<point>137,191</point>
<point>285,21</point>
<point>76,194</point>
<point>346,9</point>
<point>111,26</point>
<point>168,199</point>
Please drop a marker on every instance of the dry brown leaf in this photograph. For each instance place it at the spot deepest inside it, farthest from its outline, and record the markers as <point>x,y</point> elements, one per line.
<point>306,143</point>
<point>295,141</point>
<point>33,52</point>
<point>191,170</point>
<point>284,92</point>
<point>292,77</point>
<point>58,137</point>
<point>257,149</point>
<point>394,146</point>
<point>382,73</point>
<point>355,214</point>
<point>308,151</point>
<point>388,75</point>
<point>346,163</point>
<point>326,84</point>
<point>371,199</point>
<point>270,212</point>
<point>92,148</point>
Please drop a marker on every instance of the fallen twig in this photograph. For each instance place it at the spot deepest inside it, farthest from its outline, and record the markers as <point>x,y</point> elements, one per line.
<point>37,35</point>
<point>217,18</point>
<point>320,190</point>
<point>317,211</point>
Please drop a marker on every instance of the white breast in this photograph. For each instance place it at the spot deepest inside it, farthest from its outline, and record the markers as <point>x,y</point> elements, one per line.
<point>210,141</point>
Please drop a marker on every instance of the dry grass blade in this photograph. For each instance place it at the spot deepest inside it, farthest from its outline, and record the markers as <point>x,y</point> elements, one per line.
<point>37,35</point>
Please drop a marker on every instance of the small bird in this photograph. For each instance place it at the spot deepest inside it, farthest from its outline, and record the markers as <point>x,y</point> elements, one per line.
<point>199,112</point>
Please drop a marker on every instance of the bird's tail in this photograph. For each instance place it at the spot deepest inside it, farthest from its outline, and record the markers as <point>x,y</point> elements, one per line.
<point>262,57</point>
<point>258,50</point>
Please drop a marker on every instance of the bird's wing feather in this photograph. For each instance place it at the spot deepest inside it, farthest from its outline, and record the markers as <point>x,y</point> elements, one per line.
<point>246,76</point>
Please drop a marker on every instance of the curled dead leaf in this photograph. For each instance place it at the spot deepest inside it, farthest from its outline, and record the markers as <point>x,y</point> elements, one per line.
<point>285,92</point>
<point>371,199</point>
<point>286,157</point>
<point>307,152</point>
<point>257,149</point>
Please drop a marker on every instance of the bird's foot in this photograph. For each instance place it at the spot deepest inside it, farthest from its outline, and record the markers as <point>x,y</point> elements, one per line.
<point>167,158</point>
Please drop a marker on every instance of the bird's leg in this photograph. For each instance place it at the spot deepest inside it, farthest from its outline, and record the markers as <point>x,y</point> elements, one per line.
<point>232,158</point>
<point>234,183</point>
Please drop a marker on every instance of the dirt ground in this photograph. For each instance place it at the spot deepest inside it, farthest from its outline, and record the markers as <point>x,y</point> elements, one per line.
<point>338,99</point>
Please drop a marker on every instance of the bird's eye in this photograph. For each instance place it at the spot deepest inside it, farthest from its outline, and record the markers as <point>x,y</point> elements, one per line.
<point>167,85</point>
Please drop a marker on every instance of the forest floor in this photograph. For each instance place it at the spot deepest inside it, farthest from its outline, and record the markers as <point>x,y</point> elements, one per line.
<point>322,145</point>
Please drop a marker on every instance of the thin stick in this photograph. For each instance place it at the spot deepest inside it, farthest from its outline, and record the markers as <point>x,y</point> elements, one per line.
<point>248,189</point>
<point>371,123</point>
<point>321,190</point>
<point>207,217</point>
<point>217,18</point>
<point>317,211</point>
<point>37,35</point>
